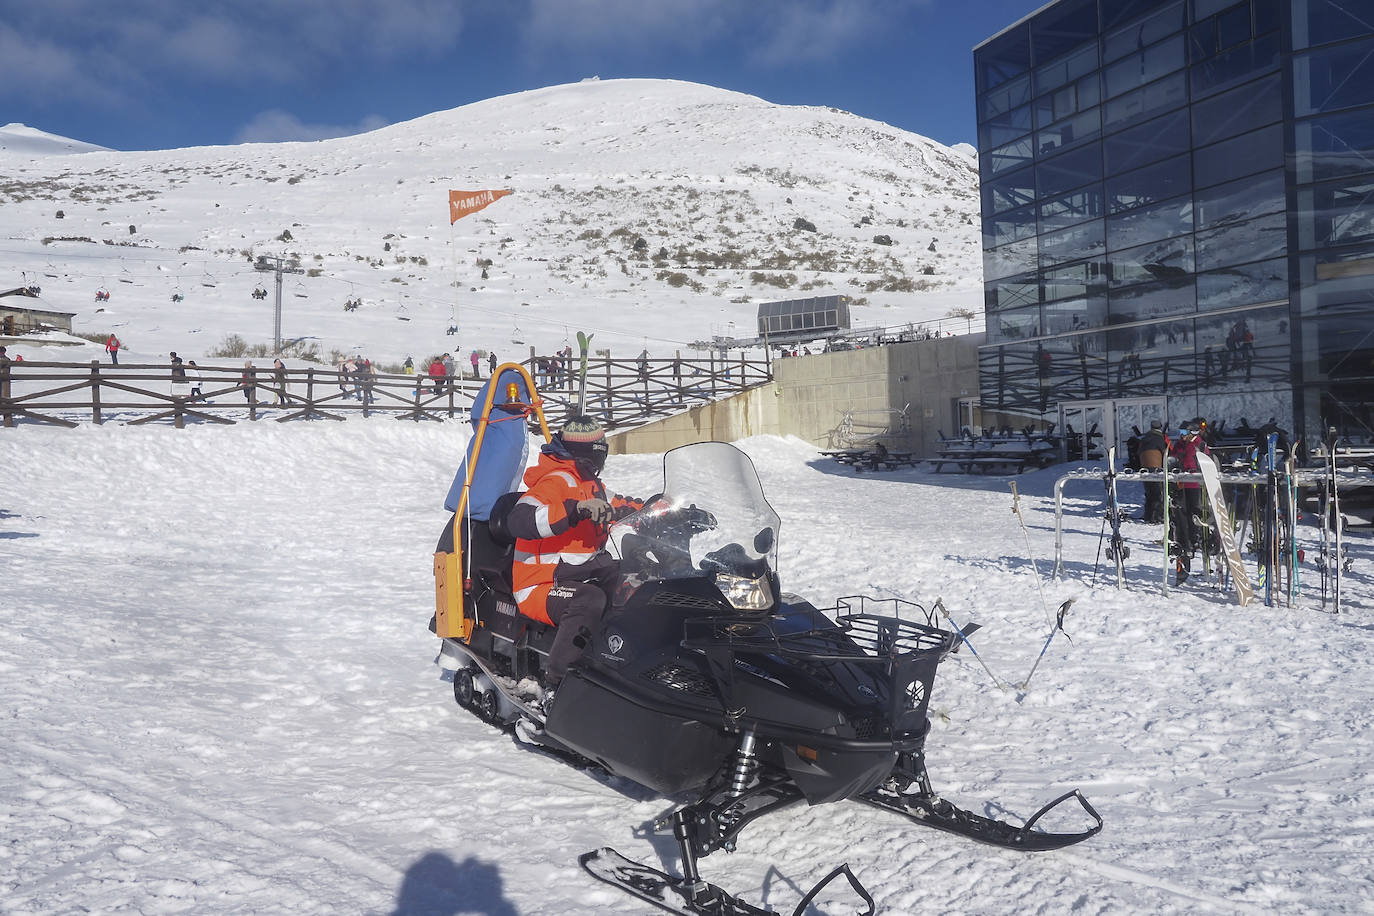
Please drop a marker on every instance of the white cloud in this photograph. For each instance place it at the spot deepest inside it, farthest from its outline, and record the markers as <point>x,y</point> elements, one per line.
<point>275,126</point>
<point>138,43</point>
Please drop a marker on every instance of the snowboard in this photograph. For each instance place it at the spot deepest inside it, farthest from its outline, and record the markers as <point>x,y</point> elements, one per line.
<point>1211,479</point>
<point>1118,552</point>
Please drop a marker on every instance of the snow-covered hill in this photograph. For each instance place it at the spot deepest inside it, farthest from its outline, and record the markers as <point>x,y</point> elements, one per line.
<point>28,141</point>
<point>652,212</point>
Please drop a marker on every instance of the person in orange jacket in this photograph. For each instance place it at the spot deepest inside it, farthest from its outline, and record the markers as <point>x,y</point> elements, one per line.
<point>562,574</point>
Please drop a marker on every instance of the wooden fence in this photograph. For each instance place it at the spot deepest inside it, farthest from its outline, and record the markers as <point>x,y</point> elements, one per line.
<point>619,392</point>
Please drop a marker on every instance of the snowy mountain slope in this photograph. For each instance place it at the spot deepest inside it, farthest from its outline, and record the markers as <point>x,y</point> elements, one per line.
<point>28,141</point>
<point>713,183</point>
<point>218,697</point>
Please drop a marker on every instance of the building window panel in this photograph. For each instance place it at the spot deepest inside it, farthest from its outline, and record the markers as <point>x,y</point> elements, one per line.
<point>1203,8</point>
<point>1120,12</point>
<point>1237,111</point>
<point>1334,78</point>
<point>1072,132</point>
<point>1157,98</point>
<point>1075,314</point>
<point>1233,26</point>
<point>1239,200</point>
<point>1335,146</point>
<point>1316,22</point>
<point>1149,142</point>
<point>1069,209</point>
<point>1008,192</point>
<point>1004,98</point>
<point>1244,351</point>
<point>1245,284</point>
<point>1336,214</point>
<point>1003,58</point>
<point>1147,224</point>
<point>1144,66</point>
<point>1170,260</point>
<point>1066,69</point>
<point>1152,300</point>
<point>1061,28</point>
<point>1011,293</point>
<point>1085,280</point>
<point>1147,31</point>
<point>1008,260</point>
<point>1015,324</point>
<point>1253,152</point>
<point>1067,171</point>
<point>1084,240</point>
<point>1005,128</point>
<point>1008,227</point>
<point>1236,66</point>
<point>1149,185</point>
<point>1202,41</point>
<point>1253,240</point>
<point>1013,155</point>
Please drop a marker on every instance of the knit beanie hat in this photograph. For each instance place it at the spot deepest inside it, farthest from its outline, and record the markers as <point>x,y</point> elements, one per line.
<point>582,430</point>
<point>585,440</point>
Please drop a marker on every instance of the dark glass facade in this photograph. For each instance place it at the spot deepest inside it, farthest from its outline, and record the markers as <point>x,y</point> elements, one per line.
<point>1178,202</point>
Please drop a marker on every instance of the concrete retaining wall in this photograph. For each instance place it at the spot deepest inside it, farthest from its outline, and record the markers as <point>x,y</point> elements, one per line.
<point>809,395</point>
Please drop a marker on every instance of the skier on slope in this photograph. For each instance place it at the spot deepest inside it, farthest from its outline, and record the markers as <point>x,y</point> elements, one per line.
<point>1187,521</point>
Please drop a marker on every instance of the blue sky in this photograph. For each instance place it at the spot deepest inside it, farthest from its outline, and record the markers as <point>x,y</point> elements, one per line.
<point>161,74</point>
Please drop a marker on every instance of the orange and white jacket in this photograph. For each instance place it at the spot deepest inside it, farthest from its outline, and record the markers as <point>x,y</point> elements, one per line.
<point>551,541</point>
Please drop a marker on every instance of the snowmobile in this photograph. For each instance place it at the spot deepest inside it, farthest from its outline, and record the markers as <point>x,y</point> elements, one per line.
<point>708,681</point>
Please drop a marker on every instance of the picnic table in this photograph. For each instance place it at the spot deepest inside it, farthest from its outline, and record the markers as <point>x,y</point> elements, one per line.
<point>871,459</point>
<point>1007,454</point>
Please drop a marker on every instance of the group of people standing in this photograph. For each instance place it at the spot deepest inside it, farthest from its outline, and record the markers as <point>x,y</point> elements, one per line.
<point>1185,517</point>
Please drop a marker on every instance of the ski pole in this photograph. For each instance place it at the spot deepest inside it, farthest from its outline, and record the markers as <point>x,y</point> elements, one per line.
<point>1016,508</point>
<point>944,612</point>
<point>1057,628</point>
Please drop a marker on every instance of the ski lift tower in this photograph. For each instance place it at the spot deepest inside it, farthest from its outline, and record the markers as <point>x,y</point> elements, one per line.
<point>277,265</point>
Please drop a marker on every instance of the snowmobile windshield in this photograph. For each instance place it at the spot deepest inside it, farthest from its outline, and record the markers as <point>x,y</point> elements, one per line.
<point>710,518</point>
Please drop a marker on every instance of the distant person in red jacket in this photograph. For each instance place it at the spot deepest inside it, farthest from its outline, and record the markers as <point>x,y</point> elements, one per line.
<point>112,347</point>
<point>436,372</point>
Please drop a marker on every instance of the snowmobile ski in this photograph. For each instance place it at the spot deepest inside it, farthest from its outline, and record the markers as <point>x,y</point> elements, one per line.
<point>933,811</point>
<point>699,898</point>
<point>1211,479</point>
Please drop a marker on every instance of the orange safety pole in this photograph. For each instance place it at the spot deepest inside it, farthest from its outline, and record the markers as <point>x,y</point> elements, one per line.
<point>462,628</point>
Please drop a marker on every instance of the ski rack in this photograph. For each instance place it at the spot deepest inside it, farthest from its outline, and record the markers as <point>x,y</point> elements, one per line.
<point>1303,478</point>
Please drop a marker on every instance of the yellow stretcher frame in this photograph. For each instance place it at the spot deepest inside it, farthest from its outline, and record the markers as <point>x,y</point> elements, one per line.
<point>450,581</point>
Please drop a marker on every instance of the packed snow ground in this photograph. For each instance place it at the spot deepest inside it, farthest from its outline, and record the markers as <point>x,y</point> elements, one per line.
<point>219,698</point>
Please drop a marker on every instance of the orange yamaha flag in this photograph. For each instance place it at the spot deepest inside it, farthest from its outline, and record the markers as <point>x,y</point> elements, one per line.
<point>461,203</point>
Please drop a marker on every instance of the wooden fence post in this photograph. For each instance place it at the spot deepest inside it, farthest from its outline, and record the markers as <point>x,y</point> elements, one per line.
<point>5,392</point>
<point>310,389</point>
<point>96,417</point>
<point>252,383</point>
<point>178,412</point>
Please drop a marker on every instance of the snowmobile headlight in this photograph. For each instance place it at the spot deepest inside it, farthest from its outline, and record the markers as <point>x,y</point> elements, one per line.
<point>745,594</point>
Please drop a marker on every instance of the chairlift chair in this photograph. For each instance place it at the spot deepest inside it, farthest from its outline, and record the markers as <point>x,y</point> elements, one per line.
<point>300,290</point>
<point>125,276</point>
<point>208,280</point>
<point>102,295</point>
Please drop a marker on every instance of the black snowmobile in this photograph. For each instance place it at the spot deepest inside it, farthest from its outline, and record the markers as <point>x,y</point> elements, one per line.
<point>707,680</point>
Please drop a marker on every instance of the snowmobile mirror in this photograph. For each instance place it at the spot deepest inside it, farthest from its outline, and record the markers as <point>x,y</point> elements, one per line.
<point>763,541</point>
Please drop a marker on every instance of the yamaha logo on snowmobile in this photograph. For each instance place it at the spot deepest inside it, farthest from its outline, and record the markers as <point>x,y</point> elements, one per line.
<point>915,694</point>
<point>615,642</point>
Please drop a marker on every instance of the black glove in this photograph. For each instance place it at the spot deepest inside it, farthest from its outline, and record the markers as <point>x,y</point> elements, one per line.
<point>598,511</point>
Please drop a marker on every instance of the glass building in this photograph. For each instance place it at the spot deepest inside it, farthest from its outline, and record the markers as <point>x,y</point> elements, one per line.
<point>1178,214</point>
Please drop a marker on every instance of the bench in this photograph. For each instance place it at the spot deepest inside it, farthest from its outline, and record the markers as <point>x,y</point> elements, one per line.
<point>988,461</point>
<point>889,462</point>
